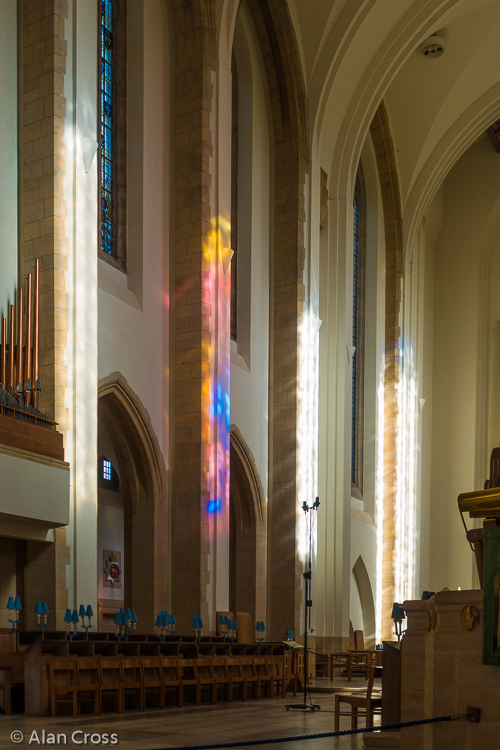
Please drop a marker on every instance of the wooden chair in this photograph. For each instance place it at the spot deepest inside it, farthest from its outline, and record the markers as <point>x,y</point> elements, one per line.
<point>222,678</point>
<point>189,679</point>
<point>368,701</point>
<point>171,678</point>
<point>265,679</point>
<point>275,667</point>
<point>152,679</point>
<point>110,680</point>
<point>206,677</point>
<point>64,687</point>
<point>236,677</point>
<point>132,679</point>
<point>87,672</point>
<point>252,680</point>
<point>6,688</point>
<point>291,677</point>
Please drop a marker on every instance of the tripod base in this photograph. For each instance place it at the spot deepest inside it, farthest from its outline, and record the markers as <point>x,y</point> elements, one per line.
<point>303,707</point>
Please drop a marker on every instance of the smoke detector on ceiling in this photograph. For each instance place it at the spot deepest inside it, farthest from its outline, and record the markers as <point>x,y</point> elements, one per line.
<point>433,47</point>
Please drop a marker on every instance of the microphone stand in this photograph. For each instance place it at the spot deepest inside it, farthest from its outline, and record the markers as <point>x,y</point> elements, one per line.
<point>305,706</point>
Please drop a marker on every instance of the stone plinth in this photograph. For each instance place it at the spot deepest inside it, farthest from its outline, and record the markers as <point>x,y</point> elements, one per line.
<point>442,674</point>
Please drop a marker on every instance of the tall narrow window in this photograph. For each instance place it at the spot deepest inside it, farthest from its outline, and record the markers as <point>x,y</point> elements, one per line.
<point>358,339</point>
<point>112,107</point>
<point>234,200</point>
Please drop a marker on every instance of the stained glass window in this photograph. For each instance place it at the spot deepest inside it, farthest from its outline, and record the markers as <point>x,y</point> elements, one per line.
<point>358,338</point>
<point>355,270</point>
<point>107,126</point>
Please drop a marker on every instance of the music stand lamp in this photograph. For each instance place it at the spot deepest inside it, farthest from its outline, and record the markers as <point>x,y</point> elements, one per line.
<point>305,706</point>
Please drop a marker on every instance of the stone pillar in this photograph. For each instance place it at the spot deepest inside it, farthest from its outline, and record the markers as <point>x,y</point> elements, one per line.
<point>44,151</point>
<point>193,307</point>
<point>44,235</point>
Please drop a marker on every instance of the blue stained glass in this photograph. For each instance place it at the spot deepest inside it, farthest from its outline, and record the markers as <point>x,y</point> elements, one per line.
<point>107,126</point>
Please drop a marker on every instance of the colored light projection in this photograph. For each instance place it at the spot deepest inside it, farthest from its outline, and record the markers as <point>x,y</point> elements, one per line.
<point>221,414</point>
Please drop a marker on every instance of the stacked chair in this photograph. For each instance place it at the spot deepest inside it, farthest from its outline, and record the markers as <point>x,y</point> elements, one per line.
<point>136,682</point>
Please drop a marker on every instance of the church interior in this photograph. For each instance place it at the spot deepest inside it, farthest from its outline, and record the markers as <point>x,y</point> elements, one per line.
<point>249,328</point>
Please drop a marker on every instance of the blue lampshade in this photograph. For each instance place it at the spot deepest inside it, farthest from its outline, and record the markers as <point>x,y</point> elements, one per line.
<point>195,620</point>
<point>158,621</point>
<point>173,619</point>
<point>398,612</point>
<point>45,609</point>
<point>134,617</point>
<point>229,624</point>
<point>89,611</point>
<point>200,621</point>
<point>164,621</point>
<point>67,616</point>
<point>128,612</point>
<point>75,616</point>
<point>262,626</point>
<point>38,608</point>
<point>10,603</point>
<point>17,603</point>
<point>124,619</point>
<point>235,625</point>
<point>118,619</point>
<point>221,619</point>
<point>81,611</point>
<point>122,611</point>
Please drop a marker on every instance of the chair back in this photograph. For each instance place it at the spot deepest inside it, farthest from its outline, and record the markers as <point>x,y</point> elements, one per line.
<point>170,669</point>
<point>109,671</point>
<point>188,669</point>
<point>62,672</point>
<point>87,671</point>
<point>219,667</point>
<point>260,666</point>
<point>274,666</point>
<point>204,668</point>
<point>247,666</point>
<point>373,672</point>
<point>150,669</point>
<point>131,671</point>
<point>233,667</point>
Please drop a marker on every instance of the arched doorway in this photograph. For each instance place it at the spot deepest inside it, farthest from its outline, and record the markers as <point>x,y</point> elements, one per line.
<point>248,532</point>
<point>143,491</point>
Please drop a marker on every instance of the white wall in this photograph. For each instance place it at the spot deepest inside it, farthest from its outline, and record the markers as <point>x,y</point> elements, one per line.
<point>250,358</point>
<point>461,412</point>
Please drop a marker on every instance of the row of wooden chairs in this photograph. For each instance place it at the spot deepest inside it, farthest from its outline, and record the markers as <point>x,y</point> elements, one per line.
<point>83,679</point>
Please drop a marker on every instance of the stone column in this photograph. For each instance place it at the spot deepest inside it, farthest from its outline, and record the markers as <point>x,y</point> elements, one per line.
<point>193,310</point>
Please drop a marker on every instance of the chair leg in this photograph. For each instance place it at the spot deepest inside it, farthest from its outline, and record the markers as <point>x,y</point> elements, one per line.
<point>337,713</point>
<point>354,717</point>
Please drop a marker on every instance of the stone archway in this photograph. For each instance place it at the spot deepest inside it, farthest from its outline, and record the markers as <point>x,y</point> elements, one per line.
<point>144,488</point>
<point>248,532</point>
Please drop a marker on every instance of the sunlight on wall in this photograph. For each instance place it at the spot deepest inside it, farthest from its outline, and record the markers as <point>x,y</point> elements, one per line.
<point>405,515</point>
<point>307,429</point>
<point>379,503</point>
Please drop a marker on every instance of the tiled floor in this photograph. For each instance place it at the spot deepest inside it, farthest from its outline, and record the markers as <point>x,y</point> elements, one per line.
<point>204,725</point>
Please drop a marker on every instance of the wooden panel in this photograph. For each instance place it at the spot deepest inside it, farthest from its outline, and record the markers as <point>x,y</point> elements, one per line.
<point>391,683</point>
<point>30,437</point>
<point>246,631</point>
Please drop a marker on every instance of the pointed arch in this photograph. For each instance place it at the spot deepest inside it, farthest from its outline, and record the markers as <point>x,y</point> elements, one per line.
<point>248,528</point>
<point>144,486</point>
<point>393,221</point>
<point>367,604</point>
